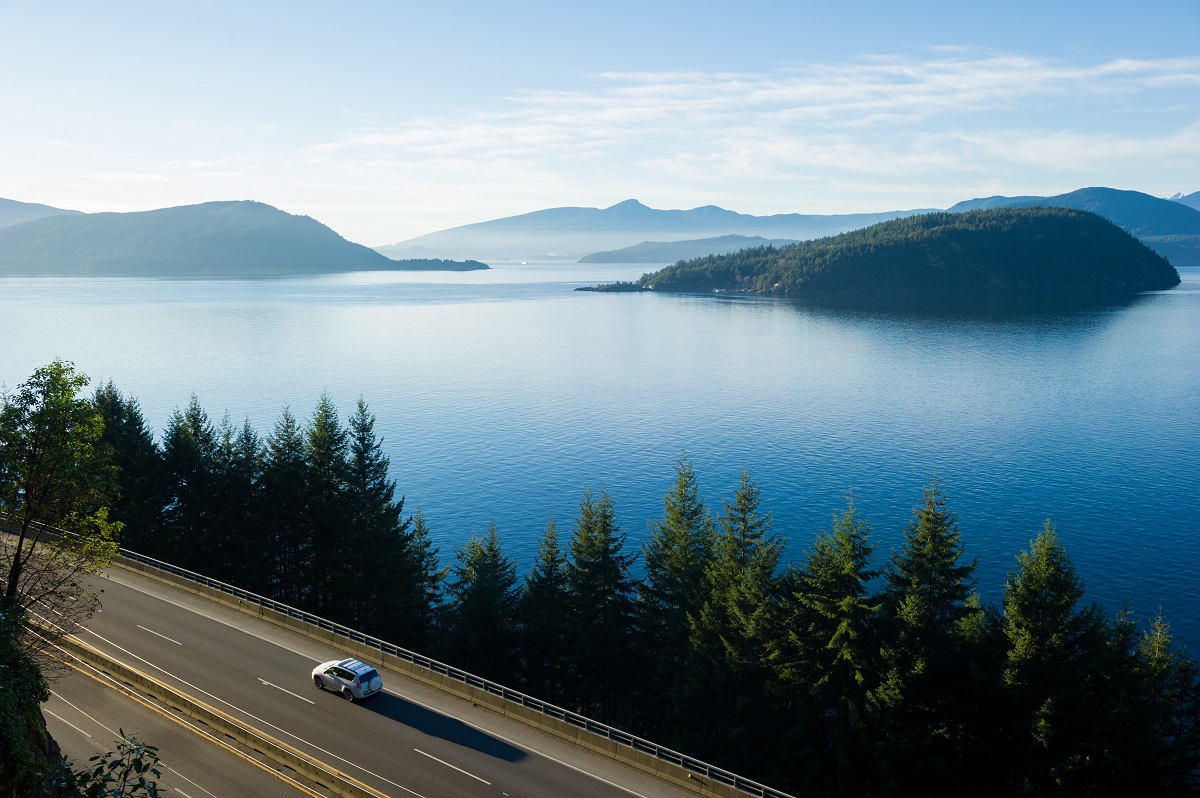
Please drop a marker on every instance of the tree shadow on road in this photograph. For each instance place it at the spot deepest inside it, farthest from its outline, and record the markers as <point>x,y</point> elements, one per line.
<point>435,724</point>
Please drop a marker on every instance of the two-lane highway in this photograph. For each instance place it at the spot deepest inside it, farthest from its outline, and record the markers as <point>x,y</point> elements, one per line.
<point>408,740</point>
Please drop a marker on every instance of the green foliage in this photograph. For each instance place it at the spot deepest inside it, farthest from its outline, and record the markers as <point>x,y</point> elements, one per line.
<point>139,465</point>
<point>1001,250</point>
<point>123,773</point>
<point>482,630</point>
<point>544,613</point>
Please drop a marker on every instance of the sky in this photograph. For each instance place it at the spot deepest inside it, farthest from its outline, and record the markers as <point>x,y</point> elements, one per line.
<point>389,120</point>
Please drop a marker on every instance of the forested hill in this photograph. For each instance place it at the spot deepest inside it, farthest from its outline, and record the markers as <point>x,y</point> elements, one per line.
<point>213,239</point>
<point>997,251</point>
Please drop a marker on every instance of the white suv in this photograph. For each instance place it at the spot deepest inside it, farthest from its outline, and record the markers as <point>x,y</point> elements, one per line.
<point>351,678</point>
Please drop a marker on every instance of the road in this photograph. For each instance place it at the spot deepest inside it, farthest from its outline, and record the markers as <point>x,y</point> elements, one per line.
<point>411,740</point>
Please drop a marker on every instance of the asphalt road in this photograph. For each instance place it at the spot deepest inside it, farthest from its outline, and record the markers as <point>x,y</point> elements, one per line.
<point>87,712</point>
<point>410,740</point>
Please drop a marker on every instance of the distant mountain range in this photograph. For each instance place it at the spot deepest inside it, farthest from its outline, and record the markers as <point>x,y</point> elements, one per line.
<point>1191,200</point>
<point>671,251</point>
<point>571,233</point>
<point>13,212</point>
<point>213,239</point>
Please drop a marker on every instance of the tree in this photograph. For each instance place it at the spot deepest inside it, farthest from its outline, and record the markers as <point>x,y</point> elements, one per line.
<point>55,474</point>
<point>482,614</point>
<point>727,671</point>
<point>603,610</point>
<point>190,468</point>
<point>285,506</point>
<point>929,602</point>
<point>544,613</point>
<point>428,607</point>
<point>237,549</point>
<point>330,562</point>
<point>139,505</point>
<point>829,656</point>
<point>677,556</point>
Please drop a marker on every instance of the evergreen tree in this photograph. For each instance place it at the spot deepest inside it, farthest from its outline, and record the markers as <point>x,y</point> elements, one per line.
<point>285,516</point>
<point>829,657</point>
<point>428,610</point>
<point>139,503</point>
<point>330,570</point>
<point>603,611</point>
<point>483,594</point>
<point>1172,681</point>
<point>727,674</point>
<point>386,592</point>
<point>237,550</point>
<point>677,556</point>
<point>544,614</point>
<point>189,468</point>
<point>929,604</point>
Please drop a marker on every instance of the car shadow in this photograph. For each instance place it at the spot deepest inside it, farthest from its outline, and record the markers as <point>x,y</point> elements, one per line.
<point>436,724</point>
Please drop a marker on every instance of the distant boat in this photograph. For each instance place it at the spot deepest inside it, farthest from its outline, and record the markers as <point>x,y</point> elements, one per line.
<point>524,263</point>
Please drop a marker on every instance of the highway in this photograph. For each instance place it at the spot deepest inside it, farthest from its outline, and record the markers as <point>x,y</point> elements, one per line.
<point>410,740</point>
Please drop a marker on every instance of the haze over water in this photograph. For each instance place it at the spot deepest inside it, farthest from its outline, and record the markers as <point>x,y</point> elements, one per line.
<point>502,394</point>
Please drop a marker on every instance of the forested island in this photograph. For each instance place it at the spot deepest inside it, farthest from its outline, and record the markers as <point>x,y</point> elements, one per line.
<point>842,673</point>
<point>1000,251</point>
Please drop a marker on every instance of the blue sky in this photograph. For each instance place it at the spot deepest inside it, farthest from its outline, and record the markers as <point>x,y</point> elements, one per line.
<point>389,120</point>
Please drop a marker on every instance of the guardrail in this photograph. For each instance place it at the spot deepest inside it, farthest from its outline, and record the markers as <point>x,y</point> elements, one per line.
<point>721,781</point>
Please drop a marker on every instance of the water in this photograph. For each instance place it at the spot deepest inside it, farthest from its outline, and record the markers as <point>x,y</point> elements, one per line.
<point>502,394</point>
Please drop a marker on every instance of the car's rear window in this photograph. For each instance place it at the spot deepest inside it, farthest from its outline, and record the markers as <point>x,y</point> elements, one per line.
<point>367,676</point>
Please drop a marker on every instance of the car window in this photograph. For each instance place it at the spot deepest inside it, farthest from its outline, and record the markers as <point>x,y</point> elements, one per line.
<point>367,676</point>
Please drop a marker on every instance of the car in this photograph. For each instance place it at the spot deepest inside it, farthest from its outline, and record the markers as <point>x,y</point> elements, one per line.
<point>349,677</point>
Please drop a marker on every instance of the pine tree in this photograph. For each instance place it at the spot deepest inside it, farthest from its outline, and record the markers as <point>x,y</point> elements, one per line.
<point>428,610</point>
<point>829,658</point>
<point>238,548</point>
<point>1172,681</point>
<point>544,614</point>
<point>483,592</point>
<point>385,593</point>
<point>603,611</point>
<point>677,556</point>
<point>329,571</point>
<point>139,465</point>
<point>929,604</point>
<point>285,511</point>
<point>189,468</point>
<point>727,674</point>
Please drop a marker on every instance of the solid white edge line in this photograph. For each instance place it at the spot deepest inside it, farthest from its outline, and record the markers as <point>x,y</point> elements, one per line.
<point>64,720</point>
<point>299,653</point>
<point>452,767</point>
<point>163,636</point>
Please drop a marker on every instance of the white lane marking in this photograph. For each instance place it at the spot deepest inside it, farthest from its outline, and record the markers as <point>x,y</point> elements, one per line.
<point>69,723</point>
<point>164,637</point>
<point>181,792</point>
<point>430,707</point>
<point>452,767</point>
<point>289,692</point>
<point>263,721</point>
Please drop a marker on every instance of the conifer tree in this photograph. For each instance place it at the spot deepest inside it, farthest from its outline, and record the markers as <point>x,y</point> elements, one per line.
<point>189,468</point>
<point>285,516</point>
<point>603,610</point>
<point>482,635</point>
<point>727,672</point>
<point>929,604</point>
<point>428,609</point>
<point>330,561</point>
<point>138,504</point>
<point>677,556</point>
<point>829,657</point>
<point>238,550</point>
<point>1172,681</point>
<point>544,613</point>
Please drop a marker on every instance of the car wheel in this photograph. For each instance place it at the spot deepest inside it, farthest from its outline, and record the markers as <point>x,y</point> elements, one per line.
<point>346,694</point>
<point>317,681</point>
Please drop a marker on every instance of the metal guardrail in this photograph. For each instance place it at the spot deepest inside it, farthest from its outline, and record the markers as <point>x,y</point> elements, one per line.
<point>617,736</point>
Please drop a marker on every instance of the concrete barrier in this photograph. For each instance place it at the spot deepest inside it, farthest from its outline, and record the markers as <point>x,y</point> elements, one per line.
<point>333,780</point>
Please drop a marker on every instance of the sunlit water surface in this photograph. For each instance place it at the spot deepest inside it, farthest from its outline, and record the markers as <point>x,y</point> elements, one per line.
<point>502,394</point>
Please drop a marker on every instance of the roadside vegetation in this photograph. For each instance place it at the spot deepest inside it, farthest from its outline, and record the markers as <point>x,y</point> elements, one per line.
<point>844,673</point>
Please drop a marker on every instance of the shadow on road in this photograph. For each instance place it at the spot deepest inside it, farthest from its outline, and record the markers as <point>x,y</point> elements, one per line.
<point>437,725</point>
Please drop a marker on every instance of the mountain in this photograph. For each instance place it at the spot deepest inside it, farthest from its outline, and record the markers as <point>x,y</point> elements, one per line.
<point>1171,228</point>
<point>13,212</point>
<point>672,251</point>
<point>213,239</point>
<point>1191,200</point>
<point>571,233</point>
<point>1043,250</point>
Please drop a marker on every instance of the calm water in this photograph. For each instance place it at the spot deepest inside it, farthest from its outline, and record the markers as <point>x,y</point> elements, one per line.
<point>502,394</point>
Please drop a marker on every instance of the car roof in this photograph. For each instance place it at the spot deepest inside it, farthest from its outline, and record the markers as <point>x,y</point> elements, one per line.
<point>355,665</point>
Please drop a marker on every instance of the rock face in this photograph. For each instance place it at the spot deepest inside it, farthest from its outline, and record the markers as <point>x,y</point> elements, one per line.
<point>214,239</point>
<point>1035,249</point>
